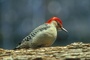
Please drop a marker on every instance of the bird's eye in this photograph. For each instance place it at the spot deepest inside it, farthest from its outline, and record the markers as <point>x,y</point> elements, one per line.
<point>58,24</point>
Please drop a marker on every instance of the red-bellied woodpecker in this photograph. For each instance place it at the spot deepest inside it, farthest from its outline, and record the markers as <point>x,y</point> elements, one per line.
<point>44,35</point>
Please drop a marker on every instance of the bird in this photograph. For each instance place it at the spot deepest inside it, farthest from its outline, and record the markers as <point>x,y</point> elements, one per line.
<point>44,35</point>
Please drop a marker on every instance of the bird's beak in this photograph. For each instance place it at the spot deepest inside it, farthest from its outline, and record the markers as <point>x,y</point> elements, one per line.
<point>62,28</point>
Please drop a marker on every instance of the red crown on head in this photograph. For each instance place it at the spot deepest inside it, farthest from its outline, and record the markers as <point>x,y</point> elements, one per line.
<point>54,19</point>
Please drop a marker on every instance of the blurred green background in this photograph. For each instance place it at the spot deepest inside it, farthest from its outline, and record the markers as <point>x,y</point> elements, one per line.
<point>19,17</point>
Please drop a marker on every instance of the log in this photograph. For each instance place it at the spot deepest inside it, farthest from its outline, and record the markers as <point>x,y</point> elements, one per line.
<point>74,51</point>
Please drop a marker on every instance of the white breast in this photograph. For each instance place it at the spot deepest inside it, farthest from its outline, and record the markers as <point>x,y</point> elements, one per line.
<point>45,37</point>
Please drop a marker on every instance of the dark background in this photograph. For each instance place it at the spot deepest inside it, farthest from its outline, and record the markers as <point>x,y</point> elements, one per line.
<point>19,17</point>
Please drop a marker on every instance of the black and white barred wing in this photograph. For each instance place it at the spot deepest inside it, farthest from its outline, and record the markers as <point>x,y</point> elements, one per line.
<point>24,43</point>
<point>36,31</point>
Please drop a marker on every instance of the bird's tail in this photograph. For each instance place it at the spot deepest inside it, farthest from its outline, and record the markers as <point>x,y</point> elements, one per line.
<point>18,47</point>
<point>21,46</point>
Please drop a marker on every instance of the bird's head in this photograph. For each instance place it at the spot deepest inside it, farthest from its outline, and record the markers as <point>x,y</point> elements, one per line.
<point>57,22</point>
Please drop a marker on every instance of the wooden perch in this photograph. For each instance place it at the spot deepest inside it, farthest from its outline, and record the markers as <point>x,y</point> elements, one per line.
<point>74,51</point>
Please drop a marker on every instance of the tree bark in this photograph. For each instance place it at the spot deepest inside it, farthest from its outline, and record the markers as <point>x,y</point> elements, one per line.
<point>74,51</point>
